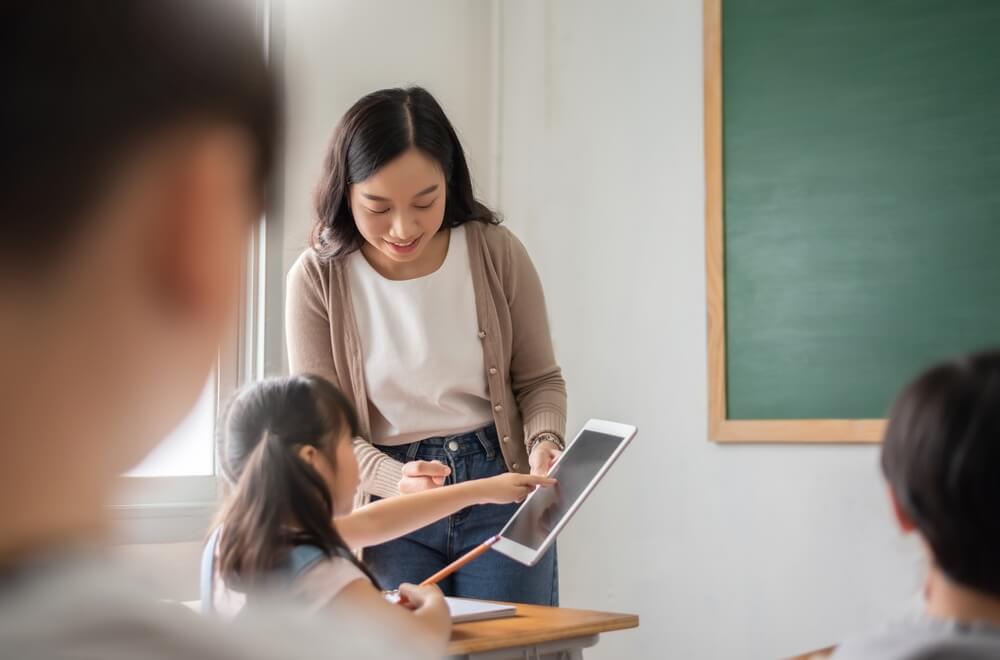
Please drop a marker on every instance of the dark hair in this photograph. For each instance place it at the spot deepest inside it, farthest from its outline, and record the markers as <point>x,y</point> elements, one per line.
<point>279,501</point>
<point>88,83</point>
<point>941,457</point>
<point>376,130</point>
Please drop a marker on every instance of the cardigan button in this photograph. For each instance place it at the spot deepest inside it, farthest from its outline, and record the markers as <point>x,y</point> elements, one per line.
<point>498,407</point>
<point>493,371</point>
<point>514,465</point>
<point>482,334</point>
<point>506,438</point>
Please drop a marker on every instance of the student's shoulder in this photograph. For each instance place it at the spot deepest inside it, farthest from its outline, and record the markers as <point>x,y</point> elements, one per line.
<point>55,610</point>
<point>333,566</point>
<point>323,578</point>
<point>922,639</point>
<point>52,611</point>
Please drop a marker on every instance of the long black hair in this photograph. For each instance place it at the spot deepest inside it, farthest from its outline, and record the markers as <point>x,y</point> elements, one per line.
<point>941,457</point>
<point>376,130</point>
<point>278,500</point>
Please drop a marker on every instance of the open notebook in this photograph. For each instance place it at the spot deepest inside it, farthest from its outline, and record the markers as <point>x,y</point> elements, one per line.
<point>466,609</point>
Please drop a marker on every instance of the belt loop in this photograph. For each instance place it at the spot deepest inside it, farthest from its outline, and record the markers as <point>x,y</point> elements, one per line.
<point>412,449</point>
<point>488,446</point>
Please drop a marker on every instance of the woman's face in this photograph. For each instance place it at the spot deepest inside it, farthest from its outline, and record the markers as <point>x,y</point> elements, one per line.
<point>400,208</point>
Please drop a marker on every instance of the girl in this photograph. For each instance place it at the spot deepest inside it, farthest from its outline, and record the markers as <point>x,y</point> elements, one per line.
<point>430,318</point>
<point>288,454</point>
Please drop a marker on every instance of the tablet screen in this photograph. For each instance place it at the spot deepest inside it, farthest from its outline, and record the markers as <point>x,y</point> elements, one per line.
<point>546,507</point>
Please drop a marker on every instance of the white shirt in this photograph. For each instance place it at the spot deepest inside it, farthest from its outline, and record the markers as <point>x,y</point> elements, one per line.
<point>81,609</point>
<point>925,638</point>
<point>423,358</point>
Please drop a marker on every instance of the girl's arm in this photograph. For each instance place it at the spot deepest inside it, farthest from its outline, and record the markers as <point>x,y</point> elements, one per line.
<point>388,519</point>
<point>427,626</point>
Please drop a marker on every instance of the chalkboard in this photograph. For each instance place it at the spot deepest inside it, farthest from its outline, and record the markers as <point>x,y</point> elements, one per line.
<point>853,216</point>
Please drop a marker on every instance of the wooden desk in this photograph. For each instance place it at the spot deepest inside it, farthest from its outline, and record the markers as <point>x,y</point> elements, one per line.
<point>535,632</point>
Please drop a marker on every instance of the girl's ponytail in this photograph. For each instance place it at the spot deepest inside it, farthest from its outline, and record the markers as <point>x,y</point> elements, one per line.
<point>278,500</point>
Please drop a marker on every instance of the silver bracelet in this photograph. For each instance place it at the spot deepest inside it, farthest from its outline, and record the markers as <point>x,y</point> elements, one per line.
<point>546,437</point>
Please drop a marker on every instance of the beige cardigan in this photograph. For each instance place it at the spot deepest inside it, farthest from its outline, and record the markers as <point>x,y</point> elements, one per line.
<point>525,383</point>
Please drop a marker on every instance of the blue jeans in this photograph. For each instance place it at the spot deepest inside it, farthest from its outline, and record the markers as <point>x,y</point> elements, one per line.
<point>418,555</point>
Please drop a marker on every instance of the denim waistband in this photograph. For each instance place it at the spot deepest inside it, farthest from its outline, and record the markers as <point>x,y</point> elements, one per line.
<point>480,441</point>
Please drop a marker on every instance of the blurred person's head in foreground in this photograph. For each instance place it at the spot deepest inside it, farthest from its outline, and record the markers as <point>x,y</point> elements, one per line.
<point>136,140</point>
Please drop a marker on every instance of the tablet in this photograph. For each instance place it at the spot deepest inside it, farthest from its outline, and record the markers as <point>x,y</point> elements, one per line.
<point>541,517</point>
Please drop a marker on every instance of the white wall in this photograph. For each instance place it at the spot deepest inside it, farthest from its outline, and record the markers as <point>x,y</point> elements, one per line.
<point>336,52</point>
<point>725,552</point>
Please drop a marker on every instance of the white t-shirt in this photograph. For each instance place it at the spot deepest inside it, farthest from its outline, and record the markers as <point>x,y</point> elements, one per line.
<point>423,357</point>
<point>924,638</point>
<point>81,608</point>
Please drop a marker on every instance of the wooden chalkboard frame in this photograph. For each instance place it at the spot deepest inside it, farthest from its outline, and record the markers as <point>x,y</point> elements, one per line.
<point>720,427</point>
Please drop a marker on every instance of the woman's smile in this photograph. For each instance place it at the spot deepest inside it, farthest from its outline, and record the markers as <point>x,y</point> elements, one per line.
<point>403,247</point>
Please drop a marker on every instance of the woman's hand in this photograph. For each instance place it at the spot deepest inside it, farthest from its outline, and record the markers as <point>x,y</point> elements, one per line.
<point>422,475</point>
<point>542,457</point>
<point>508,487</point>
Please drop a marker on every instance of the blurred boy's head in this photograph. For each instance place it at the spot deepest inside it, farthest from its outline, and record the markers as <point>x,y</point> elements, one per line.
<point>941,457</point>
<point>135,142</point>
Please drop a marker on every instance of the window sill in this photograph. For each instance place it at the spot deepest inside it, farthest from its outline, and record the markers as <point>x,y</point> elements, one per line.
<point>163,509</point>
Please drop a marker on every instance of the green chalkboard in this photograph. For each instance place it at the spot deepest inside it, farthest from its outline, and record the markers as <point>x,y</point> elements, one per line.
<point>861,170</point>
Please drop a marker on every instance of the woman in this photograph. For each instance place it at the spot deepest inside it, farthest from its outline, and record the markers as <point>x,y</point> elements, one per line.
<point>430,317</point>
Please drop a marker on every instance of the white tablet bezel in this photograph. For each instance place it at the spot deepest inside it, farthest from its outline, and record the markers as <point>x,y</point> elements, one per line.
<point>529,556</point>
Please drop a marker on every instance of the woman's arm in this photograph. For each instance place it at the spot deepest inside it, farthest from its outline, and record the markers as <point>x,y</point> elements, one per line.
<point>385,520</point>
<point>535,377</point>
<point>307,330</point>
<point>380,474</point>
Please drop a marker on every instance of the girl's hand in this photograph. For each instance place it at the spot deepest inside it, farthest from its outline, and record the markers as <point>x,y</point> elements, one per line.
<point>542,457</point>
<point>426,602</point>
<point>422,475</point>
<point>509,487</point>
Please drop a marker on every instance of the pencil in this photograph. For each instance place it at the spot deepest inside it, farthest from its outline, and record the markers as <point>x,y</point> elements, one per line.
<point>460,562</point>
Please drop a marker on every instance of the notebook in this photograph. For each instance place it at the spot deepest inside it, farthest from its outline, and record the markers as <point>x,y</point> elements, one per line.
<point>464,610</point>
